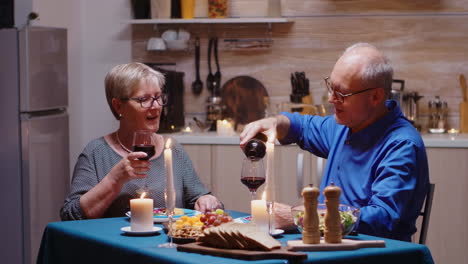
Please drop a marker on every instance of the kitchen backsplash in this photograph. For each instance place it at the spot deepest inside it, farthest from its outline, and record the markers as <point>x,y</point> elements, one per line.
<point>427,44</point>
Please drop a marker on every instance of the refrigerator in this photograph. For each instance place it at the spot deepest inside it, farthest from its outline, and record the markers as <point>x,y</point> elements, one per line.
<point>34,138</point>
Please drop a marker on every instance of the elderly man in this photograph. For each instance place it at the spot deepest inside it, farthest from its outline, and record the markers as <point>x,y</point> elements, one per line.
<point>374,153</point>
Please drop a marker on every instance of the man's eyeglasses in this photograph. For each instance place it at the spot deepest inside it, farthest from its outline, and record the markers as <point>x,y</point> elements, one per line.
<point>339,96</point>
<point>148,101</point>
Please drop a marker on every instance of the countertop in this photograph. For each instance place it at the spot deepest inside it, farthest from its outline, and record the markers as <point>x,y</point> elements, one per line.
<point>212,138</point>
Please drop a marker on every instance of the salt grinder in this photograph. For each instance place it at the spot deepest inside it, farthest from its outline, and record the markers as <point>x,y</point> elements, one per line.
<point>332,216</point>
<point>310,224</point>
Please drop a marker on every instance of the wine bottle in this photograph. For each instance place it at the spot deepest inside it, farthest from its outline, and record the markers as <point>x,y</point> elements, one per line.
<point>255,148</point>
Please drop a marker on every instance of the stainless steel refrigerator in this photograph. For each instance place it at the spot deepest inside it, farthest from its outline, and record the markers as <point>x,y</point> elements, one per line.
<point>34,141</point>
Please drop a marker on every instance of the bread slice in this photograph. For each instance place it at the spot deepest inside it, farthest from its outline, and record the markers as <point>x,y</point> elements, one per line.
<point>257,238</point>
<point>238,236</point>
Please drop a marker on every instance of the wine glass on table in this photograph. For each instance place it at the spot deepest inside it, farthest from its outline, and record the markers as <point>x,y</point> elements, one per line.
<point>143,141</point>
<point>169,196</point>
<point>253,174</point>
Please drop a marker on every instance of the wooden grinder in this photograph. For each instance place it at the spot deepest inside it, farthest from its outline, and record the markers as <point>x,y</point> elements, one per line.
<point>310,222</point>
<point>333,232</point>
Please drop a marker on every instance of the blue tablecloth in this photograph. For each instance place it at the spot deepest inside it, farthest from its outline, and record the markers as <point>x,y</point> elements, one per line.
<point>101,241</point>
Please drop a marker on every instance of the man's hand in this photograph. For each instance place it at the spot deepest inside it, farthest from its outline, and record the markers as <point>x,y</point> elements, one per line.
<point>283,217</point>
<point>278,125</point>
<point>207,202</point>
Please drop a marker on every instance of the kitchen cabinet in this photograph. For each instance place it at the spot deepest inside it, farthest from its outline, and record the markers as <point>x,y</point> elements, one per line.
<point>447,237</point>
<point>201,160</point>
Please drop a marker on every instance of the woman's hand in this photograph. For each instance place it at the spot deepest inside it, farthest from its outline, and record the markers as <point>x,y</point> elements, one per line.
<point>207,202</point>
<point>130,168</point>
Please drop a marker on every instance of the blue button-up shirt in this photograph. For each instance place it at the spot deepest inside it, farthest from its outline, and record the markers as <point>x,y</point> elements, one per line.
<point>382,169</point>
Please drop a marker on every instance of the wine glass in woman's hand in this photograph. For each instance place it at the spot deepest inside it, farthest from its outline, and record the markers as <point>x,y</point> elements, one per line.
<point>143,141</point>
<point>253,174</point>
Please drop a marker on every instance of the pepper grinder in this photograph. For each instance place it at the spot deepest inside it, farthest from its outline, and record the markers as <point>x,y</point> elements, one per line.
<point>332,216</point>
<point>310,224</point>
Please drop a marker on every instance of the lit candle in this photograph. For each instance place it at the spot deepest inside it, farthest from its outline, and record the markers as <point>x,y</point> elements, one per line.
<point>453,133</point>
<point>188,130</point>
<point>224,128</point>
<point>270,171</point>
<point>141,214</point>
<point>170,191</point>
<point>259,213</point>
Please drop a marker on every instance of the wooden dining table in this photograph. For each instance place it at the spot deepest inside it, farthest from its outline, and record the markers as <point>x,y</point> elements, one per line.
<point>102,241</point>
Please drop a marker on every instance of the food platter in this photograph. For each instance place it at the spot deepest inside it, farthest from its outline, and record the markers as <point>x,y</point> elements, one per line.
<point>183,240</point>
<point>159,215</point>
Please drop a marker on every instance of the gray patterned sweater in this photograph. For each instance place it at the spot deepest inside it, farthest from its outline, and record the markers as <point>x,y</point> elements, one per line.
<point>98,158</point>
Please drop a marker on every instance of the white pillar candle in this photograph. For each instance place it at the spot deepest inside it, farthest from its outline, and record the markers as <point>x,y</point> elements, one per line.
<point>170,191</point>
<point>259,214</point>
<point>224,128</point>
<point>270,172</point>
<point>141,214</point>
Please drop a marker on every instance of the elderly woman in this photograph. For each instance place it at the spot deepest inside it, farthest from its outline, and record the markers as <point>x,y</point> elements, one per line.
<point>108,174</point>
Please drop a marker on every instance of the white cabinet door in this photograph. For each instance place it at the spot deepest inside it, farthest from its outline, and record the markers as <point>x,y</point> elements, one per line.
<point>288,185</point>
<point>201,160</point>
<point>226,173</point>
<point>447,236</point>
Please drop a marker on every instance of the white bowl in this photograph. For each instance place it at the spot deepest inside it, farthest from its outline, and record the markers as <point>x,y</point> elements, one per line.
<point>169,35</point>
<point>178,44</point>
<point>183,35</point>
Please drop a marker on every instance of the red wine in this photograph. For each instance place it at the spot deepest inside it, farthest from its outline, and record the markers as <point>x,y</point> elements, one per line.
<point>148,149</point>
<point>253,182</point>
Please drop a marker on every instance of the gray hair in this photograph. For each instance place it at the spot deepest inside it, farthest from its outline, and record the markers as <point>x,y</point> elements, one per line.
<point>378,72</point>
<point>124,79</point>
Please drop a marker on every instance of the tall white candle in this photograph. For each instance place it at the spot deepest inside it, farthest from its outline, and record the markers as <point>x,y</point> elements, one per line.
<point>170,191</point>
<point>270,172</point>
<point>260,214</point>
<point>141,214</point>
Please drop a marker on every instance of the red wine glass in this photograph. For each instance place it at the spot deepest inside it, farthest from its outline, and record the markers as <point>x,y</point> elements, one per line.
<point>253,174</point>
<point>143,141</point>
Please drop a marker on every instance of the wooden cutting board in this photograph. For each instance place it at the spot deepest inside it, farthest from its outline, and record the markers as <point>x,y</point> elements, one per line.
<point>346,244</point>
<point>464,117</point>
<point>282,253</point>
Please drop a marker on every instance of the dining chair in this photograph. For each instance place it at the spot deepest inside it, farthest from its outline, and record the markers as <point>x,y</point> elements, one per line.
<point>426,214</point>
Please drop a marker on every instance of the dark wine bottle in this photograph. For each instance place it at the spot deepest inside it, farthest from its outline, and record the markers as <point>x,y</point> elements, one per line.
<point>255,149</point>
<point>148,149</point>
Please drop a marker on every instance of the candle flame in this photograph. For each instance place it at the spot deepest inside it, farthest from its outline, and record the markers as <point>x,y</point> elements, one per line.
<point>143,195</point>
<point>225,121</point>
<point>188,129</point>
<point>264,196</point>
<point>168,143</point>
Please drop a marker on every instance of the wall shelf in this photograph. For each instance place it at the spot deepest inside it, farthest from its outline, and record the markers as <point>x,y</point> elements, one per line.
<point>212,20</point>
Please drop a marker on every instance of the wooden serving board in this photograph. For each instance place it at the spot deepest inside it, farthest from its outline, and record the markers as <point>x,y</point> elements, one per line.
<point>463,117</point>
<point>282,253</point>
<point>346,244</point>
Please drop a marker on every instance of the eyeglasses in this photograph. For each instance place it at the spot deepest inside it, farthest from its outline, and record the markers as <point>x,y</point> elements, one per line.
<point>148,101</point>
<point>339,96</point>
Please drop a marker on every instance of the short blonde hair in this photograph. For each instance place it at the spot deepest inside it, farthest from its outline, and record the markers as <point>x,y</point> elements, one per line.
<point>122,80</point>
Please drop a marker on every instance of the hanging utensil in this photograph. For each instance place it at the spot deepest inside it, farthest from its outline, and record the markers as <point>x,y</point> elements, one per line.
<point>210,79</point>
<point>217,75</point>
<point>197,85</point>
